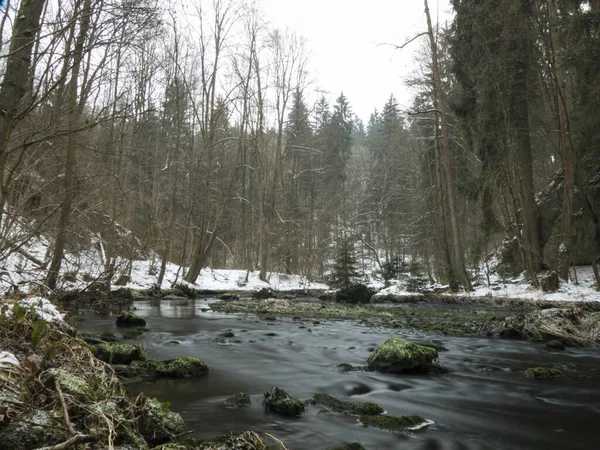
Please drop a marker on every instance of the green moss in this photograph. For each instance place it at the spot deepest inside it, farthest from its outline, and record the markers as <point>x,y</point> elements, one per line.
<point>118,353</point>
<point>347,408</point>
<point>170,368</point>
<point>393,423</point>
<point>397,355</point>
<point>238,401</point>
<point>129,319</point>
<point>71,384</point>
<point>158,423</point>
<point>539,373</point>
<point>279,401</point>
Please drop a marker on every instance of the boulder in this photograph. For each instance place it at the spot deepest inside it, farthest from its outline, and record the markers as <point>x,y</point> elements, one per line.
<point>397,355</point>
<point>238,401</point>
<point>158,423</point>
<point>129,319</point>
<point>118,353</point>
<point>279,401</point>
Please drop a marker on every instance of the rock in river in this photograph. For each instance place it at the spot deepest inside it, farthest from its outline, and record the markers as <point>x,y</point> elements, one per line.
<point>278,400</point>
<point>397,355</point>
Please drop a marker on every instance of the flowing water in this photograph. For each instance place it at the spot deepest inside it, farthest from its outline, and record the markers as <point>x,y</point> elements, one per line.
<point>484,403</point>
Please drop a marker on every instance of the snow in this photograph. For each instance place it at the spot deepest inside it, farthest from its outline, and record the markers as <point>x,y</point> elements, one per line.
<point>18,271</point>
<point>43,308</point>
<point>7,359</point>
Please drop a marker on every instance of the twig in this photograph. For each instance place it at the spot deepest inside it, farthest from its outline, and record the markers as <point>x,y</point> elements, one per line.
<point>64,407</point>
<point>282,446</point>
<point>78,439</point>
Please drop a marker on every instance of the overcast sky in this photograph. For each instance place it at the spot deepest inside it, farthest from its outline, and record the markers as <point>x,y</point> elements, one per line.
<point>343,38</point>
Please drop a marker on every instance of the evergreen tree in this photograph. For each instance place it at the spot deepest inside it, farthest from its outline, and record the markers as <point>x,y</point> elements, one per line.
<point>346,265</point>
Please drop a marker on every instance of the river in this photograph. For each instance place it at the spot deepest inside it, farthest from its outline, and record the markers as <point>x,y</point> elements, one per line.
<point>485,402</point>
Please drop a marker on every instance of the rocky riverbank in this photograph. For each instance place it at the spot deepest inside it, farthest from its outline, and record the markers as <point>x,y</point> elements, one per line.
<point>572,323</point>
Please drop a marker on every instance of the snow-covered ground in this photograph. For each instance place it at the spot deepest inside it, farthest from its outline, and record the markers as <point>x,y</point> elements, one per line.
<point>584,290</point>
<point>19,270</point>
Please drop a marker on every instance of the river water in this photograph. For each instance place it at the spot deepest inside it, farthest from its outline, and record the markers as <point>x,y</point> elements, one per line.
<point>485,402</point>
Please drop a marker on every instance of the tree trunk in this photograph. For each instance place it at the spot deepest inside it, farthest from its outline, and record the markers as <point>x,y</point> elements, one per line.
<point>459,263</point>
<point>69,184</point>
<point>17,76</point>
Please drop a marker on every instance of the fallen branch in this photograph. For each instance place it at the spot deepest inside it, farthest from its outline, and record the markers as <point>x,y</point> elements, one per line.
<point>78,439</point>
<point>63,403</point>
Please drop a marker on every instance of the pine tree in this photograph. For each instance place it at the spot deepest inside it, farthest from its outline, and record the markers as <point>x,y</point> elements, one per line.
<point>346,265</point>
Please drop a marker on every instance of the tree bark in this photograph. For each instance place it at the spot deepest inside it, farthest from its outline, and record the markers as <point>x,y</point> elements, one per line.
<point>69,184</point>
<point>17,76</point>
<point>459,262</point>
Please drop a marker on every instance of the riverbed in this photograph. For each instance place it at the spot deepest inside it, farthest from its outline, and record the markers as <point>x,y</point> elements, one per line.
<point>485,402</point>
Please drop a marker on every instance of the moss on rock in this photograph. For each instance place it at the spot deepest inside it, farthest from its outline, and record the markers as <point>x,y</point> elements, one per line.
<point>129,319</point>
<point>118,353</point>
<point>279,401</point>
<point>394,423</point>
<point>238,401</point>
<point>159,424</point>
<point>41,428</point>
<point>170,368</point>
<point>70,384</point>
<point>541,373</point>
<point>347,408</point>
<point>397,355</point>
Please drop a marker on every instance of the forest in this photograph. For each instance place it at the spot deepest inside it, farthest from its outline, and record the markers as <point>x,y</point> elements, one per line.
<point>186,214</point>
<point>196,136</point>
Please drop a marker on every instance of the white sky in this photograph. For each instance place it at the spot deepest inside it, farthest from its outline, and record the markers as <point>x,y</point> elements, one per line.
<point>342,40</point>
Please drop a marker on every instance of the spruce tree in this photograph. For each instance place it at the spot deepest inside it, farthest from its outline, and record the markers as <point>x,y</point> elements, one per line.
<point>346,265</point>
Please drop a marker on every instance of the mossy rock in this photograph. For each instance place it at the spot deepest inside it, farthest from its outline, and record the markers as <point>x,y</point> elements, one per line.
<point>556,345</point>
<point>397,355</point>
<point>347,408</point>
<point>39,429</point>
<point>542,373</point>
<point>394,423</point>
<point>158,423</point>
<point>279,401</point>
<point>185,367</point>
<point>238,401</point>
<point>70,384</point>
<point>129,319</point>
<point>119,353</point>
